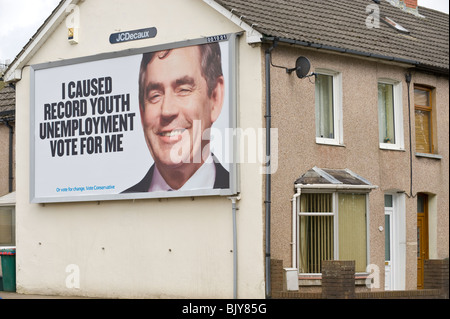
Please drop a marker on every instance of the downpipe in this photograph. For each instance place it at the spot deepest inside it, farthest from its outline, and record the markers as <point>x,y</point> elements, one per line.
<point>267,201</point>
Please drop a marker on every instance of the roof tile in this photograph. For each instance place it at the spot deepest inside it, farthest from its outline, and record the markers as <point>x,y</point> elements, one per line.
<point>342,24</point>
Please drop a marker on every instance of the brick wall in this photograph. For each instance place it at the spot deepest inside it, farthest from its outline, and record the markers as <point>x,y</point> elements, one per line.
<point>338,279</point>
<point>338,282</point>
<point>436,276</point>
<point>411,3</point>
<point>276,275</point>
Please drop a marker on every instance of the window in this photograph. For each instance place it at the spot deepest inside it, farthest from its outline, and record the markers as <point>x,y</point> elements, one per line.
<point>423,120</point>
<point>332,226</point>
<point>328,108</point>
<point>7,226</point>
<point>390,116</point>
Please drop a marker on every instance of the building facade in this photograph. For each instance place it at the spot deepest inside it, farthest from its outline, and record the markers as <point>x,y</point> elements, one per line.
<point>357,144</point>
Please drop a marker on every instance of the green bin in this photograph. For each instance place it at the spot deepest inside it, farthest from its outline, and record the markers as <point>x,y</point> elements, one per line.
<point>8,257</point>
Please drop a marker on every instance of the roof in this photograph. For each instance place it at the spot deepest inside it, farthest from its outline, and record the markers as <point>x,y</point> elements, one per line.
<point>328,24</point>
<point>341,24</point>
<point>7,103</point>
<point>332,177</point>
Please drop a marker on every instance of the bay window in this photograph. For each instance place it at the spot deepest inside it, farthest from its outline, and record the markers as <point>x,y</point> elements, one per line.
<point>332,226</point>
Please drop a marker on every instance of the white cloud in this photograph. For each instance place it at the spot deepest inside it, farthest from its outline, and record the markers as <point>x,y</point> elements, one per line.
<point>440,5</point>
<point>19,20</point>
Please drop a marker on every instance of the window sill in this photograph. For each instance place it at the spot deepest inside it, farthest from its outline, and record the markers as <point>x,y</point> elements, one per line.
<point>305,280</point>
<point>433,156</point>
<point>391,148</point>
<point>330,144</point>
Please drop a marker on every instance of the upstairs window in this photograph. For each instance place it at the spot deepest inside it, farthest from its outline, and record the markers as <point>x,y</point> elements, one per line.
<point>328,107</point>
<point>390,114</point>
<point>423,106</point>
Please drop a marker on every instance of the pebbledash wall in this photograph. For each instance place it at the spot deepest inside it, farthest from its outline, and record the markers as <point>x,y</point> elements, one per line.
<point>294,115</point>
<point>143,248</point>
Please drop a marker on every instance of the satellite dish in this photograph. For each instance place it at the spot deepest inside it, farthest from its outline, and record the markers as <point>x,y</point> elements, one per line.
<point>302,67</point>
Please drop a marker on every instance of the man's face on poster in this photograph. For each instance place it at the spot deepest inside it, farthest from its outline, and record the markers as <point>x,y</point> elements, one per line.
<point>178,107</point>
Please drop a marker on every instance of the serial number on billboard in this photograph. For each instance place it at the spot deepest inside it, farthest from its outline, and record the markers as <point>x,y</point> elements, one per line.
<point>217,38</point>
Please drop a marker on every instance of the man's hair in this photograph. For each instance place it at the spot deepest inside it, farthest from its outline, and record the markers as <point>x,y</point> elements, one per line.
<point>210,61</point>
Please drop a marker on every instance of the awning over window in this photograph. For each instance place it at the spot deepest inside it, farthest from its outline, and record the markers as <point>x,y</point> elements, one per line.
<point>332,179</point>
<point>8,200</point>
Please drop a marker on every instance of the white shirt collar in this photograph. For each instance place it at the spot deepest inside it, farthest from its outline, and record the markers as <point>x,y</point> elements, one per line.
<point>203,178</point>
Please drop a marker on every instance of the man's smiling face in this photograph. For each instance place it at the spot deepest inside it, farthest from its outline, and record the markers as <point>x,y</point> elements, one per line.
<point>177,108</point>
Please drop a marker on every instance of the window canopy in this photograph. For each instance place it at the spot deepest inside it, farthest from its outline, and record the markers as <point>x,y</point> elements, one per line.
<point>324,178</point>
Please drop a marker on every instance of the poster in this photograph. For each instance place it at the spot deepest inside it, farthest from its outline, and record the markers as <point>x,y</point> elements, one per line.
<point>147,123</point>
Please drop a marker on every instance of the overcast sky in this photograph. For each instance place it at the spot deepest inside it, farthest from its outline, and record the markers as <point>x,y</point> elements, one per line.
<point>20,19</point>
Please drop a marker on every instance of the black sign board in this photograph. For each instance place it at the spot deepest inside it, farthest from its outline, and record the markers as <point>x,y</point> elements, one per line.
<point>134,35</point>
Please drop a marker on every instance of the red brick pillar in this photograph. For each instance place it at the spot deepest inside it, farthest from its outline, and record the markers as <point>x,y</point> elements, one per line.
<point>338,279</point>
<point>436,276</point>
<point>276,274</point>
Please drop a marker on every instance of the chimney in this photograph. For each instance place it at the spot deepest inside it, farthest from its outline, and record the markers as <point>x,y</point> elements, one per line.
<point>411,4</point>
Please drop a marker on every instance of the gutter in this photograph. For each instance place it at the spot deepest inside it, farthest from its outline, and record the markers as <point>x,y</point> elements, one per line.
<point>417,64</point>
<point>336,186</point>
<point>253,36</point>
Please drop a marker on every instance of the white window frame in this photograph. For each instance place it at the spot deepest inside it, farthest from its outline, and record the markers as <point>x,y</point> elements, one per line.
<point>337,109</point>
<point>335,214</point>
<point>398,239</point>
<point>398,116</point>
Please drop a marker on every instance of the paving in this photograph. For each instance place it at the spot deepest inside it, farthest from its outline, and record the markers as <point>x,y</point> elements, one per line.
<point>13,295</point>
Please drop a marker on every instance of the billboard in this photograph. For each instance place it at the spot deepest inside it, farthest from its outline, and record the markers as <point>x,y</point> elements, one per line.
<point>144,123</point>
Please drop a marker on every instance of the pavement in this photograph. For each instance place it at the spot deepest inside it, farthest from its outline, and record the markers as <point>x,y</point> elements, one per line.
<point>13,295</point>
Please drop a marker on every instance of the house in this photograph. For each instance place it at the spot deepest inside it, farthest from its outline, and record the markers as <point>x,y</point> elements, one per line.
<point>363,145</point>
<point>354,132</point>
<point>7,164</point>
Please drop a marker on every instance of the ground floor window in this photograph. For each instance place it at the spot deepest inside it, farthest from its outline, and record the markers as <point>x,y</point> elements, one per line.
<point>332,226</point>
<point>7,226</point>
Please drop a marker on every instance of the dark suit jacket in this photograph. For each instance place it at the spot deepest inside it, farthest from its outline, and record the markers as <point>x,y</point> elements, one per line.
<point>222,179</point>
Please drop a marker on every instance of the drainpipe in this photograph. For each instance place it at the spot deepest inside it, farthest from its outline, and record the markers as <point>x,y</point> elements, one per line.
<point>234,209</point>
<point>408,82</point>
<point>267,202</point>
<point>11,135</point>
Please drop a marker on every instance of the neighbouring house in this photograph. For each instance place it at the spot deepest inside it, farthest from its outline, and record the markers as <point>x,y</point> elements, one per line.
<point>348,100</point>
<point>7,166</point>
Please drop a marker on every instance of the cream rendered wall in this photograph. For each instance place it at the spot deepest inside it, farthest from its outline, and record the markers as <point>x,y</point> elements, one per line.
<point>169,248</point>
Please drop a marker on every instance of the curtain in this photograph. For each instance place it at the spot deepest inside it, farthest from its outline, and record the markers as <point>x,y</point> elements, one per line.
<point>324,106</point>
<point>422,101</point>
<point>386,113</point>
<point>6,227</point>
<point>316,232</point>
<point>352,229</point>
<point>422,124</point>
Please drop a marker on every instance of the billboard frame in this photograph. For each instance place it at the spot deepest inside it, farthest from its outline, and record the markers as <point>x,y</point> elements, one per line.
<point>231,38</point>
